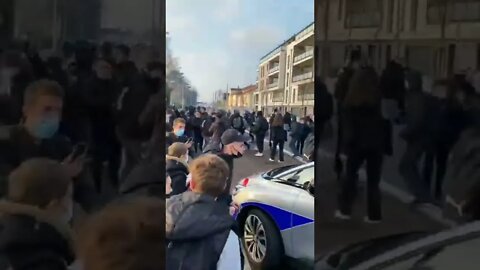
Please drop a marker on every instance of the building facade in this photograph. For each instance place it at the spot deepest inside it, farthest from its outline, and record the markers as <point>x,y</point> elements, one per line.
<point>436,37</point>
<point>299,85</point>
<point>242,99</point>
<point>271,79</point>
<point>285,76</point>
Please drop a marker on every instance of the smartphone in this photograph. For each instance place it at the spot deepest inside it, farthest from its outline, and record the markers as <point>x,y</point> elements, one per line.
<point>79,150</point>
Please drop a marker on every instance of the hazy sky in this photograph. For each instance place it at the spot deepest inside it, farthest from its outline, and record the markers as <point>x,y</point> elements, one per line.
<point>220,42</point>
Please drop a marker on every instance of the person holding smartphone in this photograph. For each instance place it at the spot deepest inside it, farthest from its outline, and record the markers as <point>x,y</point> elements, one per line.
<point>178,134</point>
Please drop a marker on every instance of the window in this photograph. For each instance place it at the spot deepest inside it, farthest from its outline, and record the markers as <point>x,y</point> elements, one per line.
<point>301,176</point>
<point>340,9</point>
<point>288,62</point>
<point>363,13</point>
<point>414,15</point>
<point>465,11</point>
<point>288,78</point>
<point>401,18</point>
<point>391,5</point>
<point>434,11</point>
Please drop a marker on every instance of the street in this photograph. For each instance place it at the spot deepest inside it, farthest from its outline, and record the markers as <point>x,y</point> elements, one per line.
<point>397,216</point>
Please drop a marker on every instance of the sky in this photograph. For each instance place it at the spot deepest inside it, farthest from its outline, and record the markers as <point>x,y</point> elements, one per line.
<point>220,42</point>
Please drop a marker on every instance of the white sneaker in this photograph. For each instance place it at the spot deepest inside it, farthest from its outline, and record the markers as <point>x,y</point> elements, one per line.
<point>259,154</point>
<point>342,216</point>
<point>371,221</point>
<point>281,161</point>
<point>272,160</point>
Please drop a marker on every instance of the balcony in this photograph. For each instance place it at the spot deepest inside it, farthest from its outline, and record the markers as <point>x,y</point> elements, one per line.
<point>303,56</point>
<point>306,97</point>
<point>272,85</point>
<point>277,98</point>
<point>274,69</point>
<point>304,76</point>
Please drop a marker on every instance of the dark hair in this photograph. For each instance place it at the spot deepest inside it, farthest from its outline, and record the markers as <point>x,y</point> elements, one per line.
<point>277,120</point>
<point>259,113</point>
<point>363,89</point>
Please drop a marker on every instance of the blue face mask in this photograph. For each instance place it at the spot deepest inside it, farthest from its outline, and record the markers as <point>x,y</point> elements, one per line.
<point>179,132</point>
<point>46,128</point>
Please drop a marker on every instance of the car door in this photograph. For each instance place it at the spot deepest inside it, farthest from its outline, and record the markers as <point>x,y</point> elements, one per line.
<point>303,229</point>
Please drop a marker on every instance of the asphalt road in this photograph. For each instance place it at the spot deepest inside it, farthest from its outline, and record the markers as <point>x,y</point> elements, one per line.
<point>331,233</point>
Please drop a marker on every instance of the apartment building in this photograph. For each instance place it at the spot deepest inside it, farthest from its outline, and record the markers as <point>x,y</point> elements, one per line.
<point>271,79</point>
<point>299,85</point>
<point>436,37</point>
<point>285,76</point>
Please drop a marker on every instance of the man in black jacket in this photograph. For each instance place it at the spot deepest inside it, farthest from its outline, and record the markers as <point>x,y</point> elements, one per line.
<point>260,128</point>
<point>232,146</point>
<point>125,70</point>
<point>99,95</point>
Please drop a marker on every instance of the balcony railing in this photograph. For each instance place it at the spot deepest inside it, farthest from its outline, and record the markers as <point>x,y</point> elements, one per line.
<point>277,98</point>
<point>272,85</point>
<point>302,56</point>
<point>305,32</point>
<point>306,97</point>
<point>302,77</point>
<point>274,69</point>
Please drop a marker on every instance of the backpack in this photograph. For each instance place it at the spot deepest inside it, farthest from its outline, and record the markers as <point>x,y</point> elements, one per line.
<point>237,122</point>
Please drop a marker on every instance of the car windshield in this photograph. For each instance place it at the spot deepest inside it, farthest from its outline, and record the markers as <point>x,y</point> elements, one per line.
<point>300,177</point>
<point>278,171</point>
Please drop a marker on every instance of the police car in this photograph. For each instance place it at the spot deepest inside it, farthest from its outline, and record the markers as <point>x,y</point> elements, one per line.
<point>276,216</point>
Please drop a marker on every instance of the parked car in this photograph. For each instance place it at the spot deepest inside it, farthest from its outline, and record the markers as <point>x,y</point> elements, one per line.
<point>455,248</point>
<point>276,216</point>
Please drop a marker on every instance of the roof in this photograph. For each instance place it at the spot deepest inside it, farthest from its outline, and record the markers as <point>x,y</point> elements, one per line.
<point>290,39</point>
<point>246,89</point>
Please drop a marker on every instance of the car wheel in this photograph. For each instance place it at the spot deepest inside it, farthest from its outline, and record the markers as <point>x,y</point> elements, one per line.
<point>262,242</point>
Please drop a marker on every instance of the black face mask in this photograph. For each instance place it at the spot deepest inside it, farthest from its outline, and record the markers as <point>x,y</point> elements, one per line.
<point>238,155</point>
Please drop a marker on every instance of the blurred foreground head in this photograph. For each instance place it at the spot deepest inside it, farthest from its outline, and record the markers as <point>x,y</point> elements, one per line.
<point>44,184</point>
<point>126,235</point>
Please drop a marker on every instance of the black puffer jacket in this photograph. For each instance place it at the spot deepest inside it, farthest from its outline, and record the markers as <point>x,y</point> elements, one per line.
<point>364,129</point>
<point>146,179</point>
<point>177,169</point>
<point>278,133</point>
<point>30,239</point>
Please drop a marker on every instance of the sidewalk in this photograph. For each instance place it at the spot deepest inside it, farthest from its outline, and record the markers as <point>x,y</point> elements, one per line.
<point>331,233</point>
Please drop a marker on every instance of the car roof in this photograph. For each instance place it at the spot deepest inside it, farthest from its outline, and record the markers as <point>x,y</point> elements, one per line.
<point>296,168</point>
<point>455,235</point>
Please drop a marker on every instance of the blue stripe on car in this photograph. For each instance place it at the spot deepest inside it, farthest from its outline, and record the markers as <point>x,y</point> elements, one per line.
<point>283,218</point>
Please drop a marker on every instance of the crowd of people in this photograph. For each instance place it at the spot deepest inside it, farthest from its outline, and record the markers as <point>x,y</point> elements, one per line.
<point>436,125</point>
<point>75,129</point>
<point>200,129</point>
